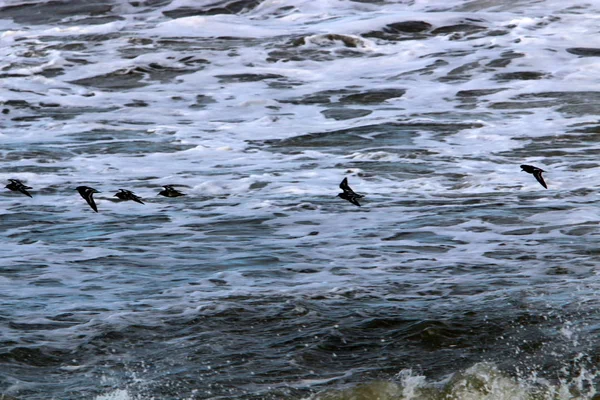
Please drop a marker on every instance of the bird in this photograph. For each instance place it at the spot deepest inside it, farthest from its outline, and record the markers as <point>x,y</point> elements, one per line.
<point>128,195</point>
<point>87,193</point>
<point>349,193</point>
<point>170,192</point>
<point>537,172</point>
<point>17,186</point>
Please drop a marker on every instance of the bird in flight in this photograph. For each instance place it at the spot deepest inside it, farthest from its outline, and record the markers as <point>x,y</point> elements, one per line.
<point>170,192</point>
<point>349,193</point>
<point>87,193</point>
<point>537,172</point>
<point>128,195</point>
<point>17,186</point>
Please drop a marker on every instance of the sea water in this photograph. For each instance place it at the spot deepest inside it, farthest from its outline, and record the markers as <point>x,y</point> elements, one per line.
<point>459,277</point>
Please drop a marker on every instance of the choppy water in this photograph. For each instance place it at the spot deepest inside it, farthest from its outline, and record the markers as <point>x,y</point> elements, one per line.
<point>459,278</point>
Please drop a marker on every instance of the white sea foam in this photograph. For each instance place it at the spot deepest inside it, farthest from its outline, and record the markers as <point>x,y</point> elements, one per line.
<point>119,394</point>
<point>252,128</point>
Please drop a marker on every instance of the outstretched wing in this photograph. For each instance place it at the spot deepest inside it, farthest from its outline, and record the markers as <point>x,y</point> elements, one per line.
<point>23,189</point>
<point>353,200</point>
<point>90,200</point>
<point>538,175</point>
<point>137,199</point>
<point>344,185</point>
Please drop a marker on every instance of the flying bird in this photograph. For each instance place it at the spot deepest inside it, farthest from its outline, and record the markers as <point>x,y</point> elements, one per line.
<point>537,172</point>
<point>349,193</point>
<point>128,195</point>
<point>87,193</point>
<point>17,186</point>
<point>170,192</point>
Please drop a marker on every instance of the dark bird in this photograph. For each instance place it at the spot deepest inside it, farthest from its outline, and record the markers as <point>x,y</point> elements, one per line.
<point>87,193</point>
<point>537,172</point>
<point>349,193</point>
<point>17,186</point>
<point>128,195</point>
<point>170,192</point>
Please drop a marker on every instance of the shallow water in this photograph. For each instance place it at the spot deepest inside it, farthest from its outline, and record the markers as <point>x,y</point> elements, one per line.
<point>459,277</point>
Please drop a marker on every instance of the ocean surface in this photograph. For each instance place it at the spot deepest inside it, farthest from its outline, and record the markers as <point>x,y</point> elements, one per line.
<point>460,277</point>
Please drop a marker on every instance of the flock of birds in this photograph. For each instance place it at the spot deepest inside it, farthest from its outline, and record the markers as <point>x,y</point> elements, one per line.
<point>168,191</point>
<point>352,197</point>
<point>88,192</point>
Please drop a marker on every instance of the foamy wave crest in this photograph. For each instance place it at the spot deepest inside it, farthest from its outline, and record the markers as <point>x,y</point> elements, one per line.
<point>482,381</point>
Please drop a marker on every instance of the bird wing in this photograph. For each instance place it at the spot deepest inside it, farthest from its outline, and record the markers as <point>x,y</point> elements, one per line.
<point>353,200</point>
<point>344,185</point>
<point>92,203</point>
<point>23,189</point>
<point>137,199</point>
<point>87,195</point>
<point>540,178</point>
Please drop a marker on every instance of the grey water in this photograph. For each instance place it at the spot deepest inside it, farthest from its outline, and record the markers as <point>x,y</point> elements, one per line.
<point>459,276</point>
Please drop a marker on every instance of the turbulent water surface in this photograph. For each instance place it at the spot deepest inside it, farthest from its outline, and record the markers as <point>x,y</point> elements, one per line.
<point>460,277</point>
